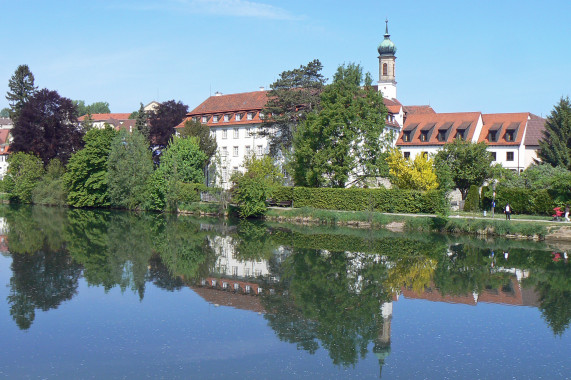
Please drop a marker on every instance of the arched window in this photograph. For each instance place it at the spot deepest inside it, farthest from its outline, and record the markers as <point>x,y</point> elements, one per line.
<point>385,69</point>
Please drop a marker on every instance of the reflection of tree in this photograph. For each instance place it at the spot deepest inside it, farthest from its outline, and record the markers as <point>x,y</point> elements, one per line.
<point>554,288</point>
<point>160,275</point>
<point>41,280</point>
<point>253,241</point>
<point>333,298</point>
<point>414,272</point>
<point>184,248</point>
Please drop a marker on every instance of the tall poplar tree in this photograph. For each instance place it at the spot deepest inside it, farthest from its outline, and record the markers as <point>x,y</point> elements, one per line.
<point>555,146</point>
<point>21,88</point>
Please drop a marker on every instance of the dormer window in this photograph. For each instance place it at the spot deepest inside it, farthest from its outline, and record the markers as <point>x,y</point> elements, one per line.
<point>423,136</point>
<point>226,118</point>
<point>262,116</point>
<point>441,135</point>
<point>460,135</point>
<point>215,118</point>
<point>250,115</point>
<point>204,119</point>
<point>492,136</point>
<point>406,137</point>
<point>509,136</point>
<point>194,119</point>
<point>238,117</point>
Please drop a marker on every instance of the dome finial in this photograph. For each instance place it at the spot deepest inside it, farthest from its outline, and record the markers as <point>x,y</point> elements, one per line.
<point>387,27</point>
<point>387,47</point>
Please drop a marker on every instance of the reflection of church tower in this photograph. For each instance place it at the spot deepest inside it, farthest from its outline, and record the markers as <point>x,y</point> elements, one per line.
<point>382,347</point>
<point>387,50</point>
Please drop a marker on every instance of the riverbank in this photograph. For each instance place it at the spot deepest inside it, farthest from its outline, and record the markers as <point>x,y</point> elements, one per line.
<point>482,226</point>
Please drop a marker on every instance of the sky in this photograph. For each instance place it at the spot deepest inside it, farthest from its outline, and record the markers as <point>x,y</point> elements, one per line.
<point>488,56</point>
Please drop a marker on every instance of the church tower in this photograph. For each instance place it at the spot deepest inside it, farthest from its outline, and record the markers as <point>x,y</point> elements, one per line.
<point>387,50</point>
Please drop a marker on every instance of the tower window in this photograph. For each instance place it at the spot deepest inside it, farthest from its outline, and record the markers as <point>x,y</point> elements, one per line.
<point>385,69</point>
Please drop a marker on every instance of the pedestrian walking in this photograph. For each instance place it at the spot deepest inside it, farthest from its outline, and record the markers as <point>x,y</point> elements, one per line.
<point>567,213</point>
<point>508,211</point>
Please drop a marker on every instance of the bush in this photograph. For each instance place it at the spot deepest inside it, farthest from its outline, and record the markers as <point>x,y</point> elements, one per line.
<point>472,199</point>
<point>527,201</point>
<point>357,199</point>
<point>190,192</point>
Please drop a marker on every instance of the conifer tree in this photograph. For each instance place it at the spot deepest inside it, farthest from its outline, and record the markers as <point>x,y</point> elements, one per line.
<point>21,88</point>
<point>555,146</point>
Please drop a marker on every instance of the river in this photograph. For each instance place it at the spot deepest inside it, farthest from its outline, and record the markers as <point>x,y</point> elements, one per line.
<point>107,294</point>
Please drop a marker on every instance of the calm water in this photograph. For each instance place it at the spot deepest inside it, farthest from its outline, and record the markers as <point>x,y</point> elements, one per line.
<point>119,295</point>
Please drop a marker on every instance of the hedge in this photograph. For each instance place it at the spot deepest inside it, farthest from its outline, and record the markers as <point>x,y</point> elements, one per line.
<point>526,201</point>
<point>358,199</point>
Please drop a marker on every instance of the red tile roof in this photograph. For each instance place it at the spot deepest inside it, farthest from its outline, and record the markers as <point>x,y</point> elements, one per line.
<point>107,116</point>
<point>452,122</point>
<point>534,131</point>
<point>414,110</point>
<point>232,103</point>
<point>501,122</point>
<point>4,135</point>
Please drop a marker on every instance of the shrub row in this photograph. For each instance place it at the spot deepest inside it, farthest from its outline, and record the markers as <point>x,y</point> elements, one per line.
<point>357,199</point>
<point>525,201</point>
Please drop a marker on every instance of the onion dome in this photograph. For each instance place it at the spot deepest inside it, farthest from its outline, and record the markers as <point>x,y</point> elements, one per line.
<point>387,47</point>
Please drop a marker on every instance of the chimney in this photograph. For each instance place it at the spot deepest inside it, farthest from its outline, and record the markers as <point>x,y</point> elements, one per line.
<point>217,93</point>
<point>262,88</point>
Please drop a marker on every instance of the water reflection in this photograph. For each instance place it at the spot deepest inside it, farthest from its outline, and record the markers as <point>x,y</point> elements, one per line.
<point>317,287</point>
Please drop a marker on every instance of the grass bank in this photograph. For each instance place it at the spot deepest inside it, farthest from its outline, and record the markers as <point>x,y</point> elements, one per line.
<point>369,219</point>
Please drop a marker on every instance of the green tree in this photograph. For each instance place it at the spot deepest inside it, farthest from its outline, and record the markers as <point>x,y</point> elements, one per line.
<point>344,140</point>
<point>555,146</point>
<point>86,176</point>
<point>21,88</point>
<point>5,112</point>
<point>295,94</point>
<point>87,123</point>
<point>141,121</point>
<point>182,161</point>
<point>24,173</point>
<point>251,189</point>
<point>472,199</point>
<point>467,163</point>
<point>207,142</point>
<point>130,165</point>
<point>97,107</point>
<point>50,190</point>
<point>415,175</point>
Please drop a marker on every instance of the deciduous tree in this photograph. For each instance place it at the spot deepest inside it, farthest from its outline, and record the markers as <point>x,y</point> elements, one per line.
<point>417,174</point>
<point>97,107</point>
<point>86,176</point>
<point>292,96</point>
<point>24,173</point>
<point>207,142</point>
<point>344,140</point>
<point>129,167</point>
<point>163,120</point>
<point>47,126</point>
<point>555,146</point>
<point>465,162</point>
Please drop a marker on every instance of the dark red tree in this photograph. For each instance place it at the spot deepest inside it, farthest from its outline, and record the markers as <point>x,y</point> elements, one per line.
<point>163,120</point>
<point>48,127</point>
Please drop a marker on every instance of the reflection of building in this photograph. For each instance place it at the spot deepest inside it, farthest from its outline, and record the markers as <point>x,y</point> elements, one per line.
<point>382,347</point>
<point>228,265</point>
<point>239,297</point>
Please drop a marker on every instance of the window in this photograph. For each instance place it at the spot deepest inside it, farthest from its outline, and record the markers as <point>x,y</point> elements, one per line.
<point>385,69</point>
<point>492,136</point>
<point>235,271</point>
<point>195,119</point>
<point>248,288</point>
<point>224,285</point>
<point>250,115</point>
<point>493,156</point>
<point>224,151</point>
<point>234,170</point>
<point>248,150</point>
<point>260,151</point>
<point>224,133</point>
<point>236,285</point>
<point>204,119</point>
<point>246,272</point>
<point>235,151</point>
<point>262,116</point>
<point>236,133</point>
<point>226,118</point>
<point>213,282</point>
<point>424,154</point>
<point>423,136</point>
<point>509,136</point>
<point>238,117</point>
<point>509,156</point>
<point>224,174</point>
<point>248,132</point>
<point>441,135</point>
<point>215,118</point>
<point>406,155</point>
<point>460,135</point>
<point>406,136</point>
